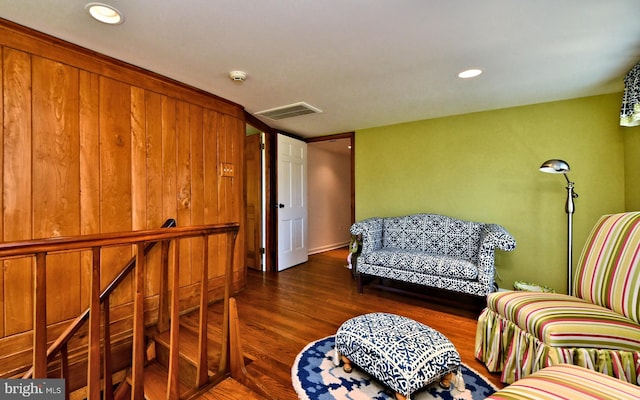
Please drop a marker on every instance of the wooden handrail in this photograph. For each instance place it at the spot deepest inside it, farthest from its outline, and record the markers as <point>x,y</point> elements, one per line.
<point>143,241</point>
<point>74,243</point>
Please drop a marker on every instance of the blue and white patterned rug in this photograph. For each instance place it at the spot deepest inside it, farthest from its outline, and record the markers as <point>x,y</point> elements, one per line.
<point>315,377</point>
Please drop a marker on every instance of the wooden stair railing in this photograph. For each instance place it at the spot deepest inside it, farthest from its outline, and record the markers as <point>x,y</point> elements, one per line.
<point>169,310</point>
<point>60,344</point>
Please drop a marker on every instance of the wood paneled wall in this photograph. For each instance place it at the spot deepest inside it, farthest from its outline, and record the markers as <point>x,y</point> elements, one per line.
<point>91,145</point>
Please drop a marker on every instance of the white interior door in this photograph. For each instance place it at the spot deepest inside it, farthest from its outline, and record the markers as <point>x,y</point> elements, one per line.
<point>292,202</point>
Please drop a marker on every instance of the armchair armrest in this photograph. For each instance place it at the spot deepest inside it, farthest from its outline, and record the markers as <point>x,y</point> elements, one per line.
<point>370,230</point>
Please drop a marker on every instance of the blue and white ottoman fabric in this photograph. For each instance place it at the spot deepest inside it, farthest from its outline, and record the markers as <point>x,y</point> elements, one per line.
<point>399,352</point>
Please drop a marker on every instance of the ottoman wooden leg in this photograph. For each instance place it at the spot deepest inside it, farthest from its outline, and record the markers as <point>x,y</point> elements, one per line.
<point>347,367</point>
<point>446,380</point>
<point>400,396</point>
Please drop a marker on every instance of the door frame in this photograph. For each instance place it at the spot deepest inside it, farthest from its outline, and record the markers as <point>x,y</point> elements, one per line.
<point>352,142</point>
<point>271,178</point>
<point>254,198</point>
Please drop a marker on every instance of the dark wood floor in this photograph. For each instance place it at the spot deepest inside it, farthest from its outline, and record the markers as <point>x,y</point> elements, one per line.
<point>280,313</point>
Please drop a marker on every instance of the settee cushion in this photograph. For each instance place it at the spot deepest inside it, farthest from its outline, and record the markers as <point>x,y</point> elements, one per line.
<point>433,234</point>
<point>423,262</point>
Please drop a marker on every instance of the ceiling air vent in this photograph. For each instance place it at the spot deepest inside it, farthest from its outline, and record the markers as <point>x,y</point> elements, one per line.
<point>288,111</point>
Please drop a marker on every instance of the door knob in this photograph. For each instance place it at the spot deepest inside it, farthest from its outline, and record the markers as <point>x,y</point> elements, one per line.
<point>279,205</point>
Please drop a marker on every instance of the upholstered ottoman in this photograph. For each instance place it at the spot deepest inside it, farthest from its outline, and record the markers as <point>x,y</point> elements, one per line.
<point>400,352</point>
<point>566,381</point>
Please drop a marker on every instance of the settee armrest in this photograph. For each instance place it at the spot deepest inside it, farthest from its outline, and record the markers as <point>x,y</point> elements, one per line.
<point>494,236</point>
<point>370,232</point>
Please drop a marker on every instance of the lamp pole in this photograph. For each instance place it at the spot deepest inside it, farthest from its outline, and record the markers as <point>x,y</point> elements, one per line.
<point>570,209</point>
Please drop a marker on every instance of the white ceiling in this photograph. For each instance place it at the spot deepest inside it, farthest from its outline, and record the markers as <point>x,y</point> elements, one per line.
<point>365,63</point>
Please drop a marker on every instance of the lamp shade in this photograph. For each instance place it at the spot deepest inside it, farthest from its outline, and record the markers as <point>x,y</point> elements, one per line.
<point>555,167</point>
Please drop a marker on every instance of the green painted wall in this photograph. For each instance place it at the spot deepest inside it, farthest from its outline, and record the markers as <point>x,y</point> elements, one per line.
<point>484,167</point>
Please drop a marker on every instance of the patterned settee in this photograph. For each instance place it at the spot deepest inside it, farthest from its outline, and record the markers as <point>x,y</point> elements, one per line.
<point>431,250</point>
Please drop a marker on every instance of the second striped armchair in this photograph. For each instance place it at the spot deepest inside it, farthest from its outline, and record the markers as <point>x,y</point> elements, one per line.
<point>597,327</point>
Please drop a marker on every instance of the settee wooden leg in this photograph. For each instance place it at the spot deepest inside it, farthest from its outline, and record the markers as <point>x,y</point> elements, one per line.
<point>400,396</point>
<point>360,283</point>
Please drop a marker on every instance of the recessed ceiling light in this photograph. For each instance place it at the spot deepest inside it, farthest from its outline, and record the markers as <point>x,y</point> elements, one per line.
<point>105,13</point>
<point>470,73</point>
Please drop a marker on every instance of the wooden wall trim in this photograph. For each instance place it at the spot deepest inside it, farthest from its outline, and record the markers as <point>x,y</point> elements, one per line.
<point>258,124</point>
<point>19,37</point>
<point>346,135</point>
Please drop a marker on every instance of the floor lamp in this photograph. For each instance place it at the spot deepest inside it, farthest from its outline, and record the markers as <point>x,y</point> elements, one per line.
<point>561,167</point>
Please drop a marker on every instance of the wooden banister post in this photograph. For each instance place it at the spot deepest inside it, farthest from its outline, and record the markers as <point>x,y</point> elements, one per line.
<point>40,317</point>
<point>93,373</point>
<point>163,306</point>
<point>238,369</point>
<point>173,391</point>
<point>203,364</point>
<point>107,368</point>
<point>228,277</point>
<point>137,370</point>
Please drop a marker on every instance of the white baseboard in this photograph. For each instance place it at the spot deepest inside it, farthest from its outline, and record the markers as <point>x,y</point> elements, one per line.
<point>328,247</point>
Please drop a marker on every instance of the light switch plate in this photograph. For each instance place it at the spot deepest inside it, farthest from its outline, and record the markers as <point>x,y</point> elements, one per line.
<point>226,169</point>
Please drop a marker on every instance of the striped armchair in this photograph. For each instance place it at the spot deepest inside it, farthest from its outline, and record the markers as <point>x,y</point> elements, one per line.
<point>598,327</point>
